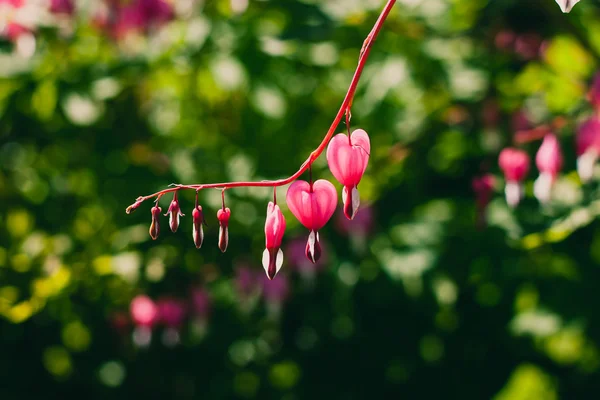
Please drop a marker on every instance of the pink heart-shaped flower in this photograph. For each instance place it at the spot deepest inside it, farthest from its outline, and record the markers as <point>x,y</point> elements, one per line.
<point>348,162</point>
<point>313,208</point>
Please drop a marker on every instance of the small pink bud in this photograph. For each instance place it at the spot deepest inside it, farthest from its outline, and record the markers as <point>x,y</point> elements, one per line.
<point>135,205</point>
<point>174,212</point>
<point>223,217</point>
<point>313,205</point>
<point>588,147</point>
<point>143,311</point>
<point>274,229</point>
<point>348,159</point>
<point>515,166</point>
<point>594,92</point>
<point>198,231</point>
<point>549,161</point>
<point>155,225</point>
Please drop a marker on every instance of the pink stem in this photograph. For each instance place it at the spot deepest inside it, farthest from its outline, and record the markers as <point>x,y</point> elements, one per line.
<point>346,104</point>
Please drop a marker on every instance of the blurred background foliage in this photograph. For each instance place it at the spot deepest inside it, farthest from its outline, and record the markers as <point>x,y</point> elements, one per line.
<point>102,101</point>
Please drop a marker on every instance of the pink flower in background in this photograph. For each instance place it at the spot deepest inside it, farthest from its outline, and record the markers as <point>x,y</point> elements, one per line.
<point>62,7</point>
<point>549,161</point>
<point>520,121</point>
<point>201,302</point>
<point>348,159</point>
<point>313,205</point>
<point>594,92</point>
<point>361,224</point>
<point>587,147</point>
<point>275,291</point>
<point>272,259</point>
<point>246,281</point>
<point>504,40</point>
<point>483,186</point>
<point>296,254</point>
<point>171,311</point>
<point>143,311</point>
<point>120,322</point>
<point>136,16</point>
<point>514,163</point>
<point>10,26</point>
<point>528,45</point>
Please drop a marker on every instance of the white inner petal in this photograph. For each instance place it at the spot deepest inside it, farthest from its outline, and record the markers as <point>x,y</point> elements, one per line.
<point>355,201</point>
<point>265,261</point>
<point>279,261</point>
<point>585,165</point>
<point>542,187</point>
<point>513,192</point>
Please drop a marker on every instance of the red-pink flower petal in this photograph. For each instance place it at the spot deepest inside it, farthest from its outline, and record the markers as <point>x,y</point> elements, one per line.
<point>312,208</point>
<point>349,162</point>
<point>514,163</point>
<point>549,156</point>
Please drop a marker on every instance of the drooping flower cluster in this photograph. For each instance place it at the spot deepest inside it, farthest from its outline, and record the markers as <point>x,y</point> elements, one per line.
<point>168,312</point>
<point>312,203</point>
<point>549,160</point>
<point>121,18</point>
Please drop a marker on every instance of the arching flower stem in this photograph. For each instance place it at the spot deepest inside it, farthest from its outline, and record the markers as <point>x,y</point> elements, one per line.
<point>344,110</point>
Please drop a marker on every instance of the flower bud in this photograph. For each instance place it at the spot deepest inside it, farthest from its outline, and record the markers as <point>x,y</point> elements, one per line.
<point>514,163</point>
<point>155,225</point>
<point>223,217</point>
<point>274,230</point>
<point>135,205</point>
<point>198,232</point>
<point>348,159</point>
<point>174,212</point>
<point>549,161</point>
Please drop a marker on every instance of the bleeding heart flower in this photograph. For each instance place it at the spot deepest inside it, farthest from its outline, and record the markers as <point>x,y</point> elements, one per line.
<point>313,205</point>
<point>348,159</point>
<point>144,311</point>
<point>174,212</point>
<point>274,229</point>
<point>515,165</point>
<point>587,147</point>
<point>197,220</point>
<point>155,225</point>
<point>223,216</point>
<point>549,161</point>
